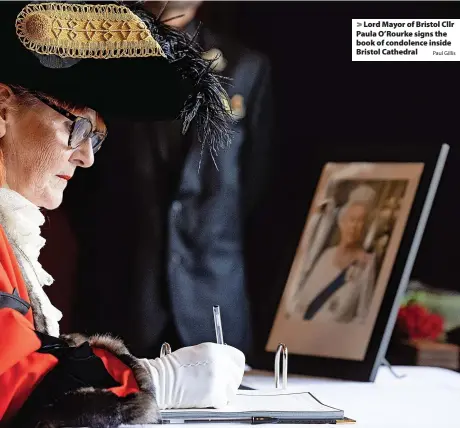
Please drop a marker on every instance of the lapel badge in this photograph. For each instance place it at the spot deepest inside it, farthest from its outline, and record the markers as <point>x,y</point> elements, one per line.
<point>237,106</point>
<point>215,55</point>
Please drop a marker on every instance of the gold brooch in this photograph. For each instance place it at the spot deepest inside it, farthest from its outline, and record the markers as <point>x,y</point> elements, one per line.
<point>85,31</point>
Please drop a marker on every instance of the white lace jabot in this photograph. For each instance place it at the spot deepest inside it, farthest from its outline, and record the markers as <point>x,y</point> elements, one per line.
<point>21,220</point>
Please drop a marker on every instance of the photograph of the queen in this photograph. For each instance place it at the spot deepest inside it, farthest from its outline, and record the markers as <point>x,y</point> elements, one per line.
<point>344,259</point>
<point>339,285</point>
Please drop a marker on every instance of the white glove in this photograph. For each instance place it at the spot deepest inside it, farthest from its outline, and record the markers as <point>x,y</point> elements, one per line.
<point>205,375</point>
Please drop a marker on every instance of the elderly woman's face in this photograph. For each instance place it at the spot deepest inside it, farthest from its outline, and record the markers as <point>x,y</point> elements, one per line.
<point>352,224</point>
<point>36,156</point>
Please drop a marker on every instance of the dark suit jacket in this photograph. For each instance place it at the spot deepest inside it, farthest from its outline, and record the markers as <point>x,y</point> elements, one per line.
<point>160,242</point>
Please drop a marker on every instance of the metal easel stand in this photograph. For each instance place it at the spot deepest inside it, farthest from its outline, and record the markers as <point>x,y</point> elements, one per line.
<point>281,348</point>
<point>386,363</point>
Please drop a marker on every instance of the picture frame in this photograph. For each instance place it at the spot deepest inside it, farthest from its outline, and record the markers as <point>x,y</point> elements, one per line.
<point>338,306</point>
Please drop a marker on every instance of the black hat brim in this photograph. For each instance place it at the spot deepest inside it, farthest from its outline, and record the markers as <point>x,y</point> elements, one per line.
<point>138,87</point>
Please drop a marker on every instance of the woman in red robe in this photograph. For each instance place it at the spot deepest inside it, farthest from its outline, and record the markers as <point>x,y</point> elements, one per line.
<point>64,66</point>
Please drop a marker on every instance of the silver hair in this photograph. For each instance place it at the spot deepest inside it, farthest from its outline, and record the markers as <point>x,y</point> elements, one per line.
<point>344,208</point>
<point>360,195</point>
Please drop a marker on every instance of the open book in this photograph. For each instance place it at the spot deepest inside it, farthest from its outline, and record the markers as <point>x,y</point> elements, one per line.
<point>261,406</point>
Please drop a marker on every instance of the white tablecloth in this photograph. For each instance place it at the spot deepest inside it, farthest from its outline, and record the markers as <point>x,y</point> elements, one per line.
<point>426,397</point>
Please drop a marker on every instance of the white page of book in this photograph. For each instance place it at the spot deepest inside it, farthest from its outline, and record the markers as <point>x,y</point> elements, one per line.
<point>269,402</point>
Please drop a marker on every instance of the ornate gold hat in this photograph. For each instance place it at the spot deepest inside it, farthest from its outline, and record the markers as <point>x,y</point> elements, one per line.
<point>116,59</point>
<point>85,31</point>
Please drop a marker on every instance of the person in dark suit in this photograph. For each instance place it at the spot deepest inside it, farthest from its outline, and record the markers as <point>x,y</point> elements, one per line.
<point>185,212</point>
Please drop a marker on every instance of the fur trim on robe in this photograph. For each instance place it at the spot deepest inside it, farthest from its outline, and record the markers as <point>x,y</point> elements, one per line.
<point>100,408</point>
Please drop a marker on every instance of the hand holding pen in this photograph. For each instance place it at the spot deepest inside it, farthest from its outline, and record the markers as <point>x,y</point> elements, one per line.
<point>218,369</point>
<point>199,376</point>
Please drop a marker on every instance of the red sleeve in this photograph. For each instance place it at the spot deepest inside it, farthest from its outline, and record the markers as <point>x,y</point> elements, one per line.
<point>21,367</point>
<point>119,371</point>
<point>17,338</point>
<point>19,381</point>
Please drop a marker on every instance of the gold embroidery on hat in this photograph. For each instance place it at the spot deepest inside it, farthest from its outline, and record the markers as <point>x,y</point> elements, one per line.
<point>85,31</point>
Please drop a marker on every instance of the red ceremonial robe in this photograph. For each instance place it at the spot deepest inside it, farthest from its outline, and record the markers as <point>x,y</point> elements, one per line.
<point>25,363</point>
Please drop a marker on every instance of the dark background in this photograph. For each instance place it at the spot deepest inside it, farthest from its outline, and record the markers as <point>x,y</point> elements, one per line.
<point>322,97</point>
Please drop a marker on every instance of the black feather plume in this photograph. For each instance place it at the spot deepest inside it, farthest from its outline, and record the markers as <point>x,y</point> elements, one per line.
<point>207,105</point>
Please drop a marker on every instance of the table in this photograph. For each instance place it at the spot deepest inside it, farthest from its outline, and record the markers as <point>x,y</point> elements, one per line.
<point>426,397</point>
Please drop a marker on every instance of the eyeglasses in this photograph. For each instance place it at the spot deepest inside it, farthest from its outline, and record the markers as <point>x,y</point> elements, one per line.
<point>81,128</point>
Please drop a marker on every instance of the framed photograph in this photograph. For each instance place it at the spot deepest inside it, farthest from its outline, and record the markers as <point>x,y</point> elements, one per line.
<point>353,262</point>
